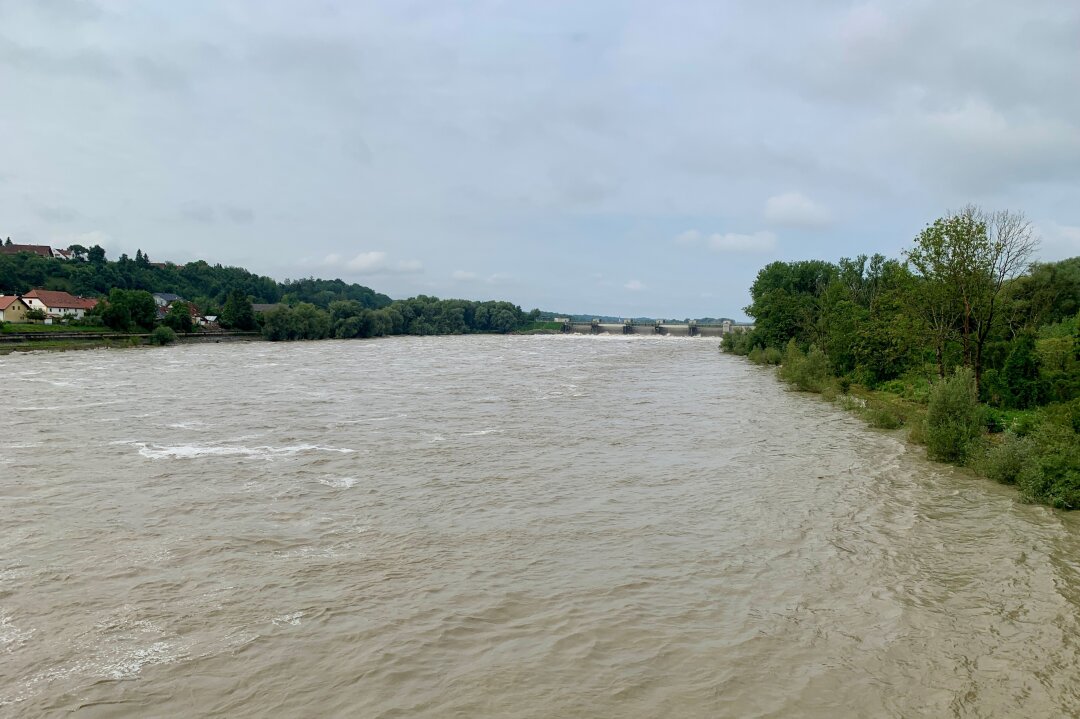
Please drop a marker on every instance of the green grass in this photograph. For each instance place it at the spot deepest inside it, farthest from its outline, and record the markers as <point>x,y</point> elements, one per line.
<point>13,328</point>
<point>63,345</point>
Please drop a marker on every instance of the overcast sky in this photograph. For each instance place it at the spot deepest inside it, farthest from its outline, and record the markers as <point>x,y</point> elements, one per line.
<point>633,158</point>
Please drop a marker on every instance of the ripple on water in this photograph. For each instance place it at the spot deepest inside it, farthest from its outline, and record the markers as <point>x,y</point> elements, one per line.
<point>504,526</point>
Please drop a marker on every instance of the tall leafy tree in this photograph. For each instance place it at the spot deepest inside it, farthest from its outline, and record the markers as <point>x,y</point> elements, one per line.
<point>237,312</point>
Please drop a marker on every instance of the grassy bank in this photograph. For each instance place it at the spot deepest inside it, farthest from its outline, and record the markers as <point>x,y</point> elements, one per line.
<point>13,328</point>
<point>1035,450</point>
<point>66,344</point>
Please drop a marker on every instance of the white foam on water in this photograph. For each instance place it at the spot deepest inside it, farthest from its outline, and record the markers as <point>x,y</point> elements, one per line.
<point>292,620</point>
<point>482,432</point>
<point>132,663</point>
<point>266,452</point>
<point>437,438</point>
<point>11,636</point>
<point>339,482</point>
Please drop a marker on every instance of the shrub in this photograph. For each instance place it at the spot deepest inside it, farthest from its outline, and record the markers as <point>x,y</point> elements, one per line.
<point>954,419</point>
<point>1054,478</point>
<point>1004,461</point>
<point>845,385</point>
<point>882,417</point>
<point>809,372</point>
<point>163,335</point>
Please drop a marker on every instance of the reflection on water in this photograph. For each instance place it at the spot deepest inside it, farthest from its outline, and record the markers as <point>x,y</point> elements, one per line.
<point>502,526</point>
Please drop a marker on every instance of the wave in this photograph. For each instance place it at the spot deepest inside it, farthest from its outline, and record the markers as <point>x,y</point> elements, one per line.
<point>191,451</point>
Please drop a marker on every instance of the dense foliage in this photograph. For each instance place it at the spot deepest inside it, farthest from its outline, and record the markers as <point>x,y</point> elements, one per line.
<point>420,315</point>
<point>208,286</point>
<point>306,308</point>
<point>964,297</point>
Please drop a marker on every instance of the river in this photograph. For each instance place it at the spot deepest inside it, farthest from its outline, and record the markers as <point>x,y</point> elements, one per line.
<point>545,526</point>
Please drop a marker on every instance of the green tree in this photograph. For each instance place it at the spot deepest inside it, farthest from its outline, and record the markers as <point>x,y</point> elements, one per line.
<point>1021,373</point>
<point>237,312</point>
<point>179,317</point>
<point>129,309</point>
<point>967,258</point>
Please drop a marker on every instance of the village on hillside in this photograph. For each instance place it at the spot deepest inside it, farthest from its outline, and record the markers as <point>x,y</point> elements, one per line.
<point>44,306</point>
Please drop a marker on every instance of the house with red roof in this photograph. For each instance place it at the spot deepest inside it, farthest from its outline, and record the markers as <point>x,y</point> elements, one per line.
<point>12,309</point>
<point>41,250</point>
<point>56,303</point>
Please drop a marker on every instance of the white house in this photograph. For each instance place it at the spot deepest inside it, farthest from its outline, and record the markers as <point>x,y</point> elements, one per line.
<point>55,303</point>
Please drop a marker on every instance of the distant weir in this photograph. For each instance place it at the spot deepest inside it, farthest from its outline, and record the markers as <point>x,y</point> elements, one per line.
<point>654,327</point>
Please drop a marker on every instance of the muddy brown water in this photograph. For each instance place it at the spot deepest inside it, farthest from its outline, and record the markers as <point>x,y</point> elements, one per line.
<point>553,526</point>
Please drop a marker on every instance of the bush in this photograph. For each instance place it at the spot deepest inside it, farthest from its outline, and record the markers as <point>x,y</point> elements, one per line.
<point>1004,461</point>
<point>954,419</point>
<point>880,416</point>
<point>163,335</point>
<point>768,355</point>
<point>1054,478</point>
<point>809,372</point>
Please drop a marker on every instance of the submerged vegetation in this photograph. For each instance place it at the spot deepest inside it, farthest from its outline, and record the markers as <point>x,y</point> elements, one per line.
<point>964,342</point>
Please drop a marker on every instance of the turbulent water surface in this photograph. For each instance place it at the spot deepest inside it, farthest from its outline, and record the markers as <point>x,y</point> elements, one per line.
<point>502,526</point>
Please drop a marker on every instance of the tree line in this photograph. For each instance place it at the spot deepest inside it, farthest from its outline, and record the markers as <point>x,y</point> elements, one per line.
<point>305,308</point>
<point>963,313</point>
<point>91,274</point>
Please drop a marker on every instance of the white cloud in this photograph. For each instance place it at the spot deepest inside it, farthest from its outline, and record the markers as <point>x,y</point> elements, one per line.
<point>367,262</point>
<point>794,209</point>
<point>1058,241</point>
<point>463,276</point>
<point>634,286</point>
<point>408,267</point>
<point>375,263</point>
<point>735,242</point>
<point>690,237</point>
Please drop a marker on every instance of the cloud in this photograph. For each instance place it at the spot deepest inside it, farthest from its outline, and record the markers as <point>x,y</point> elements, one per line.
<point>57,214</point>
<point>794,209</point>
<point>634,286</point>
<point>463,276</point>
<point>408,267</point>
<point>729,241</point>
<point>367,262</point>
<point>376,263</point>
<point>1058,241</point>
<point>239,215</point>
<point>690,237</point>
<point>198,212</point>
<point>735,242</point>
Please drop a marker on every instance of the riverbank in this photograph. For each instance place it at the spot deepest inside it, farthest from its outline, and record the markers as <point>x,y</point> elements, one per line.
<point>1033,450</point>
<point>83,340</point>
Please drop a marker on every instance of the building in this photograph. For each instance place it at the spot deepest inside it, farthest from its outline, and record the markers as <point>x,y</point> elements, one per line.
<point>164,299</point>
<point>40,250</point>
<point>12,309</point>
<point>56,304</point>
